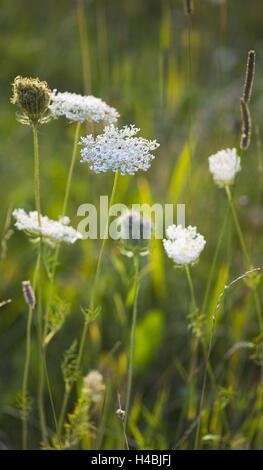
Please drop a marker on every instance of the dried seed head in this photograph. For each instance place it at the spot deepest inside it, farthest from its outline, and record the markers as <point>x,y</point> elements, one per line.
<point>246,125</point>
<point>250,72</point>
<point>28,294</point>
<point>188,7</point>
<point>32,96</point>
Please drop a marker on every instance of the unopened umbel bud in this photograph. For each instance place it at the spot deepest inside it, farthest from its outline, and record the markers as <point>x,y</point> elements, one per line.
<point>135,232</point>
<point>32,96</point>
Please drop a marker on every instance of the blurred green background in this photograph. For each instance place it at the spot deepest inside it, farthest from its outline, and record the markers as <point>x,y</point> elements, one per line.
<point>137,60</point>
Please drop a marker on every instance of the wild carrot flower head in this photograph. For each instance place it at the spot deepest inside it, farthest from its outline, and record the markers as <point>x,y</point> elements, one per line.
<point>33,97</point>
<point>135,232</point>
<point>80,108</point>
<point>51,230</point>
<point>118,149</point>
<point>183,245</point>
<point>93,387</point>
<point>224,165</point>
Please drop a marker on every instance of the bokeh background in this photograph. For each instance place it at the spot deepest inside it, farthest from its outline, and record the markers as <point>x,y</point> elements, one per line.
<point>179,79</point>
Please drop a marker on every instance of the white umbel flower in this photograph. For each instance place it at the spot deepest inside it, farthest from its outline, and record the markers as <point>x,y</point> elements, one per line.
<point>80,108</point>
<point>224,165</point>
<point>50,229</point>
<point>118,149</point>
<point>184,245</point>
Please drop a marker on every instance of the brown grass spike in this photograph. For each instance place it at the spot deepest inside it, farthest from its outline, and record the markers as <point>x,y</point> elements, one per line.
<point>250,72</point>
<point>188,7</point>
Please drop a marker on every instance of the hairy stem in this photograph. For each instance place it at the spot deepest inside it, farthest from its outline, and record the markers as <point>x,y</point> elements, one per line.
<point>39,289</point>
<point>44,371</point>
<point>27,362</point>
<point>132,344</point>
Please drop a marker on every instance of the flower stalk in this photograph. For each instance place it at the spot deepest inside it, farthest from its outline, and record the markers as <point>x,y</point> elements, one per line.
<point>132,344</point>
<point>91,308</point>
<point>27,361</point>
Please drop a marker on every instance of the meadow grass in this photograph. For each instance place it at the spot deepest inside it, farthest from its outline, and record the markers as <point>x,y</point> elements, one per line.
<point>179,350</point>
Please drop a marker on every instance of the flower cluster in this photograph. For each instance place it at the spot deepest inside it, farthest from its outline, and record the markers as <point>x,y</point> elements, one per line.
<point>118,149</point>
<point>93,386</point>
<point>224,165</point>
<point>80,108</point>
<point>135,232</point>
<point>184,245</point>
<point>49,229</point>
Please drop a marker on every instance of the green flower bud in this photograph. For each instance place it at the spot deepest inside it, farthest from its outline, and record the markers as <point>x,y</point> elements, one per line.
<point>135,233</point>
<point>32,96</point>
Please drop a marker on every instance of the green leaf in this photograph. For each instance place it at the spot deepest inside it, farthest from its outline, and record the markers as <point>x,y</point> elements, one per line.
<point>179,176</point>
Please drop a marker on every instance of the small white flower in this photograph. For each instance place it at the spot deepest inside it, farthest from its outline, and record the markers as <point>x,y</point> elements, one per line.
<point>118,149</point>
<point>184,245</point>
<point>50,229</point>
<point>94,386</point>
<point>80,108</point>
<point>224,165</point>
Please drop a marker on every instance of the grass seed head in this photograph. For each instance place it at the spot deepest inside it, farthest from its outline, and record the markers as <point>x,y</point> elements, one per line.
<point>250,72</point>
<point>29,294</point>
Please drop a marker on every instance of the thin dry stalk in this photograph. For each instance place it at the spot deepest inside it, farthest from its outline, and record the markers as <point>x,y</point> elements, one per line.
<point>246,125</point>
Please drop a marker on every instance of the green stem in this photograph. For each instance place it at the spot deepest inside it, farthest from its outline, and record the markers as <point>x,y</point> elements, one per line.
<point>189,278</point>
<point>91,307</point>
<point>84,46</point>
<point>27,363</point>
<point>190,108</point>
<point>258,308</point>
<point>237,225</point>
<point>25,378</point>
<point>132,344</point>
<point>64,211</point>
<point>44,371</point>
<point>196,341</point>
<point>36,172</point>
<point>72,164</point>
<point>50,392</point>
<point>244,249</point>
<point>97,274</point>
<point>39,290</point>
<point>62,413</point>
<point>212,270</point>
